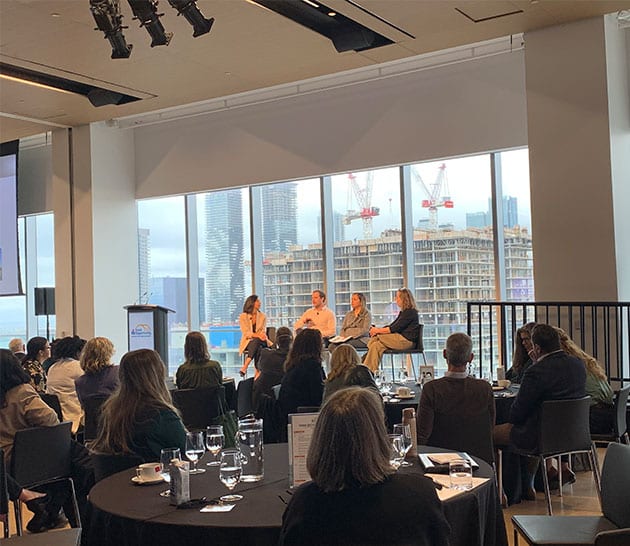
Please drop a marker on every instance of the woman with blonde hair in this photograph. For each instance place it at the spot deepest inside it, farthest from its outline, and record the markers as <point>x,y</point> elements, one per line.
<point>597,386</point>
<point>356,496</point>
<point>139,418</point>
<point>355,328</point>
<point>100,376</point>
<point>347,371</point>
<point>401,334</point>
<point>198,371</point>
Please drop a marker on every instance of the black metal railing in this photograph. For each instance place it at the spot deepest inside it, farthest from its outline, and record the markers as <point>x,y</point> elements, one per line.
<point>601,329</point>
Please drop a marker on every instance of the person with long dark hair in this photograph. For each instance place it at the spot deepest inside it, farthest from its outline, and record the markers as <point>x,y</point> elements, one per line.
<point>303,381</point>
<point>198,371</point>
<point>37,352</point>
<point>139,418</point>
<point>253,324</point>
<point>522,358</point>
<point>356,496</point>
<point>271,365</point>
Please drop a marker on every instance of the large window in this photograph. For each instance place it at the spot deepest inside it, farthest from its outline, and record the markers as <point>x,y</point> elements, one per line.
<point>428,226</point>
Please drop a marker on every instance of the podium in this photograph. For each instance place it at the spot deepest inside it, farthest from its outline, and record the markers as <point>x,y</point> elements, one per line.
<point>147,328</point>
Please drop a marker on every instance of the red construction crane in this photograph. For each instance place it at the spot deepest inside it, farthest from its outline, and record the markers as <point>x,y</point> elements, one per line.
<point>363,195</point>
<point>437,194</point>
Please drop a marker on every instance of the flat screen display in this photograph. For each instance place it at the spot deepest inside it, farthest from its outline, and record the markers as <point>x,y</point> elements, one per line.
<point>10,283</point>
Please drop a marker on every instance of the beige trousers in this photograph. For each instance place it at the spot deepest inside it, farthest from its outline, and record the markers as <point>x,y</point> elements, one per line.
<point>380,343</point>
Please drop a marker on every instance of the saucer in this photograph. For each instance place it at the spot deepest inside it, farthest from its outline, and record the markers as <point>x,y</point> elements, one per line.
<point>138,481</point>
<point>405,397</point>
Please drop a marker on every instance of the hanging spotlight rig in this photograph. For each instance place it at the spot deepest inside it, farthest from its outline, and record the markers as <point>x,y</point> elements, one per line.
<point>108,19</point>
<point>192,14</point>
<point>145,11</point>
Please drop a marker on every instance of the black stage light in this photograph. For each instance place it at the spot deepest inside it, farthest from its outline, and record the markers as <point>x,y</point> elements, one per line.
<point>146,12</point>
<point>190,11</point>
<point>108,18</point>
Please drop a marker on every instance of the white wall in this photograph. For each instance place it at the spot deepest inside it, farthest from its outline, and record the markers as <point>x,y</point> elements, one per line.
<point>465,108</point>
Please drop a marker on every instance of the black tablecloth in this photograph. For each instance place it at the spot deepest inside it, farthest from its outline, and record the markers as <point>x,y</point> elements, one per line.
<point>124,514</point>
<point>395,406</point>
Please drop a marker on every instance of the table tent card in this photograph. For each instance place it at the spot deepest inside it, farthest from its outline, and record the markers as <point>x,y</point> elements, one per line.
<point>300,432</point>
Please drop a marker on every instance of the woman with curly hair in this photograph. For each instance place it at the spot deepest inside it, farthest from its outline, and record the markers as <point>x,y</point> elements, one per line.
<point>347,371</point>
<point>100,376</point>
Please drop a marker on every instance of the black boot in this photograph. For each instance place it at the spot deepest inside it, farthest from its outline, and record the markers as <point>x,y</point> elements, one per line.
<point>37,524</point>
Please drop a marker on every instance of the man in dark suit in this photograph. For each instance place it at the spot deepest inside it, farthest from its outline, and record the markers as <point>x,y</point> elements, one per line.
<point>553,376</point>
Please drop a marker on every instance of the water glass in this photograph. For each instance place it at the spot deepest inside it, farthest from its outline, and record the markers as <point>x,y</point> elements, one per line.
<point>230,471</point>
<point>398,450</point>
<point>214,442</point>
<point>404,430</point>
<point>460,473</point>
<point>195,448</point>
<point>166,456</point>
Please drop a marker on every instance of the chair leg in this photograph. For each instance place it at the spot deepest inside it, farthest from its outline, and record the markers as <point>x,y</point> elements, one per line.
<point>75,504</point>
<point>17,509</point>
<point>546,483</point>
<point>391,361</point>
<point>592,456</point>
<point>559,462</point>
<point>413,369</point>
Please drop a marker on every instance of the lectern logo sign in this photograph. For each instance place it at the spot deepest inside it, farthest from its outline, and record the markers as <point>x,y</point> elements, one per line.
<point>141,330</point>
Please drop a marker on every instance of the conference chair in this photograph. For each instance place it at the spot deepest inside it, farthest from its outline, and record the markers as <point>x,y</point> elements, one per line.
<point>199,407</point>
<point>587,530</point>
<point>620,537</point>
<point>65,537</point>
<point>619,432</point>
<point>92,407</point>
<point>417,350</point>
<point>42,456</point>
<point>106,464</point>
<point>564,430</point>
<point>244,397</point>
<point>52,400</point>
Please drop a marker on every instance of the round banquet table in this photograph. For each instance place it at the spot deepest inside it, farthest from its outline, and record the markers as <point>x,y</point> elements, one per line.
<point>394,406</point>
<point>124,514</point>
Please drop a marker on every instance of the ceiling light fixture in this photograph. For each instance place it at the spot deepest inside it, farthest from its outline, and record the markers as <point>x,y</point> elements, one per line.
<point>190,11</point>
<point>34,84</point>
<point>108,19</point>
<point>145,11</point>
<point>345,33</point>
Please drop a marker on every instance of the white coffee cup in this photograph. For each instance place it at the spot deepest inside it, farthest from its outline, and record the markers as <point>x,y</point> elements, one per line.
<point>148,472</point>
<point>403,391</point>
<point>503,383</point>
<point>460,473</point>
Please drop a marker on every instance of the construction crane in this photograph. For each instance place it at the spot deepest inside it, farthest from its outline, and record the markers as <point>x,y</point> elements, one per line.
<point>437,194</point>
<point>363,196</point>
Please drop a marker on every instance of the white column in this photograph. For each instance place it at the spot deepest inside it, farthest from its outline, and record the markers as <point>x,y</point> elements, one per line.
<point>569,133</point>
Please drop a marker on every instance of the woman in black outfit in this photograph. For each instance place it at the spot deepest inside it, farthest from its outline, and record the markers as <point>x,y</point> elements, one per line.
<point>356,496</point>
<point>271,365</point>
<point>401,334</point>
<point>303,382</point>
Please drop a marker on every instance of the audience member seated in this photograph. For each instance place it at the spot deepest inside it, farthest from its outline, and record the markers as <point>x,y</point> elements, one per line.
<point>271,365</point>
<point>303,381</point>
<point>139,418</point>
<point>198,371</point>
<point>318,317</point>
<point>554,375</point>
<point>522,357</point>
<point>37,352</point>
<point>347,371</point>
<point>100,377</point>
<point>35,501</point>
<point>356,496</point>
<point>355,328</point>
<point>17,347</point>
<point>402,334</point>
<point>456,393</point>
<point>20,408</point>
<point>62,375</point>
<point>597,387</point>
<point>253,324</point>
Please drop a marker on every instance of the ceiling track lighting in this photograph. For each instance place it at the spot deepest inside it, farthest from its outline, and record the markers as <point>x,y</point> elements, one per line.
<point>145,11</point>
<point>108,17</point>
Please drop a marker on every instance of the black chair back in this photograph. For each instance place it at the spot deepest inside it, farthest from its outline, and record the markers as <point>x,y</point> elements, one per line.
<point>244,397</point>
<point>41,454</point>
<point>469,433</point>
<point>199,407</point>
<point>52,400</point>
<point>621,403</point>
<point>618,537</point>
<point>564,426</point>
<point>420,343</point>
<point>106,464</point>
<point>92,407</point>
<point>4,496</point>
<point>308,409</point>
<point>616,484</point>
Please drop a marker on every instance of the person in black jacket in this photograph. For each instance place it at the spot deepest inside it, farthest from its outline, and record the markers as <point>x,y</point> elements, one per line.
<point>553,376</point>
<point>400,334</point>
<point>303,381</point>
<point>356,496</point>
<point>271,365</point>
